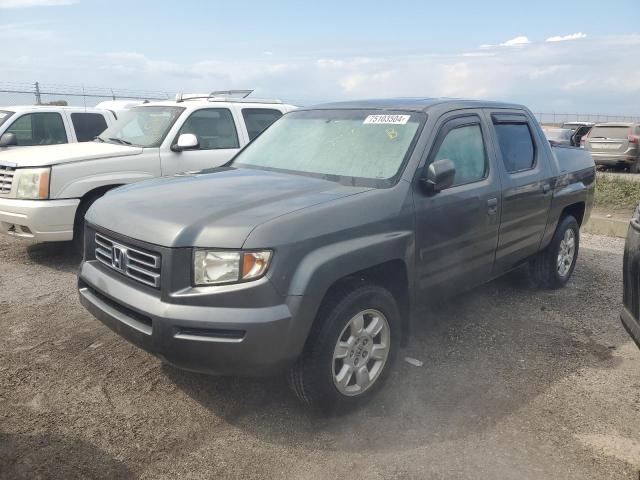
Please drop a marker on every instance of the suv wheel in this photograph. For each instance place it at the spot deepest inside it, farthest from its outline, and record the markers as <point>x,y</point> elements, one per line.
<point>635,167</point>
<point>552,267</point>
<point>349,353</point>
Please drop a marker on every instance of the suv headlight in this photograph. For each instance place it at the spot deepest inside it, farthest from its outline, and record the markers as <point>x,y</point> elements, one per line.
<point>217,267</point>
<point>33,183</point>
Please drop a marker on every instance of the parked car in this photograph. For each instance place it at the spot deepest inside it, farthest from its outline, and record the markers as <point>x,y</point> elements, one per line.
<point>316,247</point>
<point>630,315</point>
<point>37,125</point>
<point>615,145</point>
<point>45,191</point>
<point>579,131</point>
<point>558,136</point>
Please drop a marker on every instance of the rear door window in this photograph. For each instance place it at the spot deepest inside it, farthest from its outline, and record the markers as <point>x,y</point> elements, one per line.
<point>214,128</point>
<point>516,146</point>
<point>45,128</point>
<point>258,119</point>
<point>618,133</point>
<point>88,125</point>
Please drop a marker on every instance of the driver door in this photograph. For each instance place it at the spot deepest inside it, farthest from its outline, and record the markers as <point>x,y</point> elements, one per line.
<point>457,228</point>
<point>218,140</point>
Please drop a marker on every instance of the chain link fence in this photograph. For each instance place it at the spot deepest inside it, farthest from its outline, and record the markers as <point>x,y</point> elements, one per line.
<point>560,118</point>
<point>74,95</point>
<point>12,93</point>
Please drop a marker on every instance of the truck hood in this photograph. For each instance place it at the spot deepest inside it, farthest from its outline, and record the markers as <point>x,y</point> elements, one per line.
<point>216,208</point>
<point>66,153</point>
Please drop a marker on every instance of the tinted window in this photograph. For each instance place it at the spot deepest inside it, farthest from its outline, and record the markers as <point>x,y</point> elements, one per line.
<point>620,132</point>
<point>88,125</point>
<point>258,119</point>
<point>516,146</point>
<point>464,146</point>
<point>214,128</point>
<point>39,129</point>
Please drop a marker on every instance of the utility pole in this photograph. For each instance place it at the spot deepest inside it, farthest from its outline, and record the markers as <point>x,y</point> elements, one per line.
<point>38,99</point>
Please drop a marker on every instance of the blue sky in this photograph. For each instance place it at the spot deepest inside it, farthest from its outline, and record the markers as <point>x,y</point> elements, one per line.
<point>309,52</point>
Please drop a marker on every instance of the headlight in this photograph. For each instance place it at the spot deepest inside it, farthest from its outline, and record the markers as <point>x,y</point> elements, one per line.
<point>33,183</point>
<point>216,267</point>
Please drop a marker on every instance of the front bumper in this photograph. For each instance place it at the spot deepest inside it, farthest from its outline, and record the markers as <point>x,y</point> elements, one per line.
<point>41,220</point>
<point>219,340</point>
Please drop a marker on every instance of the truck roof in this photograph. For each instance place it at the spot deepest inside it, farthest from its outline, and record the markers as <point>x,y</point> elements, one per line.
<point>415,104</point>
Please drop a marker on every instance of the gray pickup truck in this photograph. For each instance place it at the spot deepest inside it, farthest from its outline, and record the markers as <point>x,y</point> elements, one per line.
<point>317,246</point>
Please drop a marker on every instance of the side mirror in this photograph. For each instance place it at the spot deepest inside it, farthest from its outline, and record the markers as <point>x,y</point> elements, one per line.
<point>186,141</point>
<point>439,176</point>
<point>8,140</point>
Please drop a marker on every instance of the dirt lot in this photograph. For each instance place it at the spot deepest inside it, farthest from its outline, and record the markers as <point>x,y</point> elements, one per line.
<point>516,383</point>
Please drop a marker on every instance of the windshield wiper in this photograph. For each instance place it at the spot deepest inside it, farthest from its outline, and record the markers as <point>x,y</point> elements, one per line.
<point>98,139</point>
<point>120,141</point>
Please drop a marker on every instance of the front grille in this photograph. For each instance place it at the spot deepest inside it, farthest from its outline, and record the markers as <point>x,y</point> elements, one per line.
<point>142,266</point>
<point>6,179</point>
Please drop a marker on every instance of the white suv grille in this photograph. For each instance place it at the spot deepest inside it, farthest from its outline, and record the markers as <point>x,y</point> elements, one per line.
<point>137,264</point>
<point>6,179</point>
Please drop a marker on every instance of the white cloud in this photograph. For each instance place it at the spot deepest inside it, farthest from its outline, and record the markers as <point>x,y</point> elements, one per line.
<point>34,3</point>
<point>544,76</point>
<point>516,42</point>
<point>573,36</point>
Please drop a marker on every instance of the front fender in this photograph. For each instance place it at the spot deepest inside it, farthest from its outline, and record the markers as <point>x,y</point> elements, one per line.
<point>325,266</point>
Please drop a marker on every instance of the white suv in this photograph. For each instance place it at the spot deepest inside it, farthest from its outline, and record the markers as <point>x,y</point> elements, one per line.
<point>38,125</point>
<point>46,191</point>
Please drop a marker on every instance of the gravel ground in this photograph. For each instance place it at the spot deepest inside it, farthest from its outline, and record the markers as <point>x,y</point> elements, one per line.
<point>516,383</point>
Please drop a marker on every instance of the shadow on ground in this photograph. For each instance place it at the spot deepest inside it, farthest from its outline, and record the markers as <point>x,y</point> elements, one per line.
<point>51,456</point>
<point>486,355</point>
<point>56,255</point>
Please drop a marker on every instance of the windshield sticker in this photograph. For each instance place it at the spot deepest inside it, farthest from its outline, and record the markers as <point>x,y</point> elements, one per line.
<point>387,119</point>
<point>392,133</point>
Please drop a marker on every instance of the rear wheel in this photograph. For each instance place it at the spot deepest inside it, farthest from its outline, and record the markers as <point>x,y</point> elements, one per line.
<point>553,266</point>
<point>635,167</point>
<point>350,350</point>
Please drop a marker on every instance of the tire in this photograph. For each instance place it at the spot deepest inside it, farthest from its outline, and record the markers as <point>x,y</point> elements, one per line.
<point>546,269</point>
<point>314,377</point>
<point>635,167</point>
<point>78,225</point>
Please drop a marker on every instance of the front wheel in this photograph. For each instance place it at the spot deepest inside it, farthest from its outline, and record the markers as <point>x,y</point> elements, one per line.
<point>349,351</point>
<point>553,266</point>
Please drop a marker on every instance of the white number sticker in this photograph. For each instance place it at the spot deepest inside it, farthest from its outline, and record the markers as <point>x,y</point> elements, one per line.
<point>387,119</point>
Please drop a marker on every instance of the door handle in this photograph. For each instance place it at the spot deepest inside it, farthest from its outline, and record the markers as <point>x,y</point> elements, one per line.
<point>546,187</point>
<point>492,206</point>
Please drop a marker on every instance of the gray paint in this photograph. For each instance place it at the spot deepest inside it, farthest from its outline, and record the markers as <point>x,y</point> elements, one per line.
<point>321,232</point>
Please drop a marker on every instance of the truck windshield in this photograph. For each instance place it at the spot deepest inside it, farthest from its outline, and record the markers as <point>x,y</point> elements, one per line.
<point>142,126</point>
<point>355,147</point>
<point>4,116</point>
